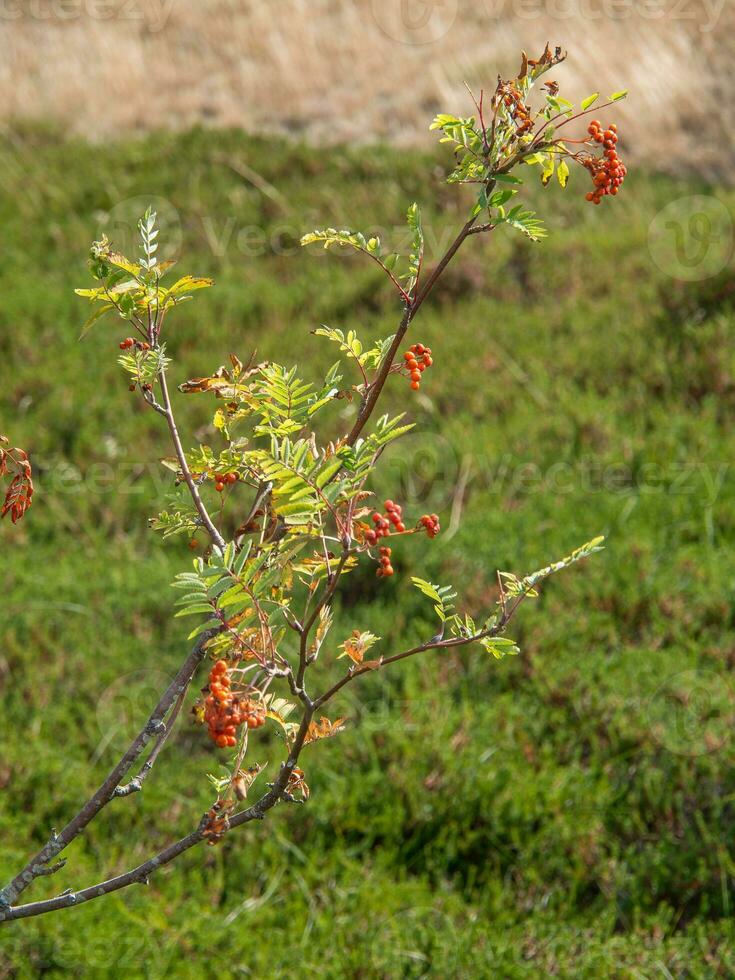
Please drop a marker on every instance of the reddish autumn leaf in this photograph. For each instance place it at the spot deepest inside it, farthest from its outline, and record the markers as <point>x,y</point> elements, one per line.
<point>19,494</point>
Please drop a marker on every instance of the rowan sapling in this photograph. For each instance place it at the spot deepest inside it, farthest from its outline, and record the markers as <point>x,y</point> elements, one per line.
<point>263,596</point>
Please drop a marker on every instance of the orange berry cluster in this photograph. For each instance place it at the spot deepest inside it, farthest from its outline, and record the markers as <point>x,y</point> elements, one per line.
<point>385,565</point>
<point>224,710</point>
<point>131,342</point>
<point>608,171</point>
<point>431,524</point>
<point>221,480</point>
<point>418,359</point>
<point>393,515</point>
<point>519,112</point>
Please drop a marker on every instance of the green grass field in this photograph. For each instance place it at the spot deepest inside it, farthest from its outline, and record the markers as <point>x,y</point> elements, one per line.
<point>569,812</point>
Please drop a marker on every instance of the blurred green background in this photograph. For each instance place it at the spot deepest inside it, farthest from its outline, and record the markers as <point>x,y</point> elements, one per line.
<point>568,812</point>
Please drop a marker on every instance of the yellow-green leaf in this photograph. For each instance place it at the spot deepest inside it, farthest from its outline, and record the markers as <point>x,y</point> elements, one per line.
<point>188,284</point>
<point>100,311</point>
<point>548,171</point>
<point>119,260</point>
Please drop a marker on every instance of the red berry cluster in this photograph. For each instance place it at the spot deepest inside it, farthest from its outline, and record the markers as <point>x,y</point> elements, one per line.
<point>431,524</point>
<point>221,480</point>
<point>131,342</point>
<point>393,515</point>
<point>224,710</point>
<point>418,359</point>
<point>385,565</point>
<point>608,171</point>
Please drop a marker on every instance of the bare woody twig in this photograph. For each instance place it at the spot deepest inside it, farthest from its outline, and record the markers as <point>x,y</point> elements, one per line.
<point>141,873</point>
<point>136,784</point>
<point>372,394</point>
<point>181,457</point>
<point>39,863</point>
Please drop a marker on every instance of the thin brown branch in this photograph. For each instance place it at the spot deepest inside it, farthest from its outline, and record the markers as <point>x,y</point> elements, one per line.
<point>37,865</point>
<point>142,872</point>
<point>309,624</point>
<point>573,118</point>
<point>136,784</point>
<point>184,466</point>
<point>373,392</point>
<point>433,644</point>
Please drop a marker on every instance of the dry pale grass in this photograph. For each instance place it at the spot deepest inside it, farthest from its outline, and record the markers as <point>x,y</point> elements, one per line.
<point>363,69</point>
